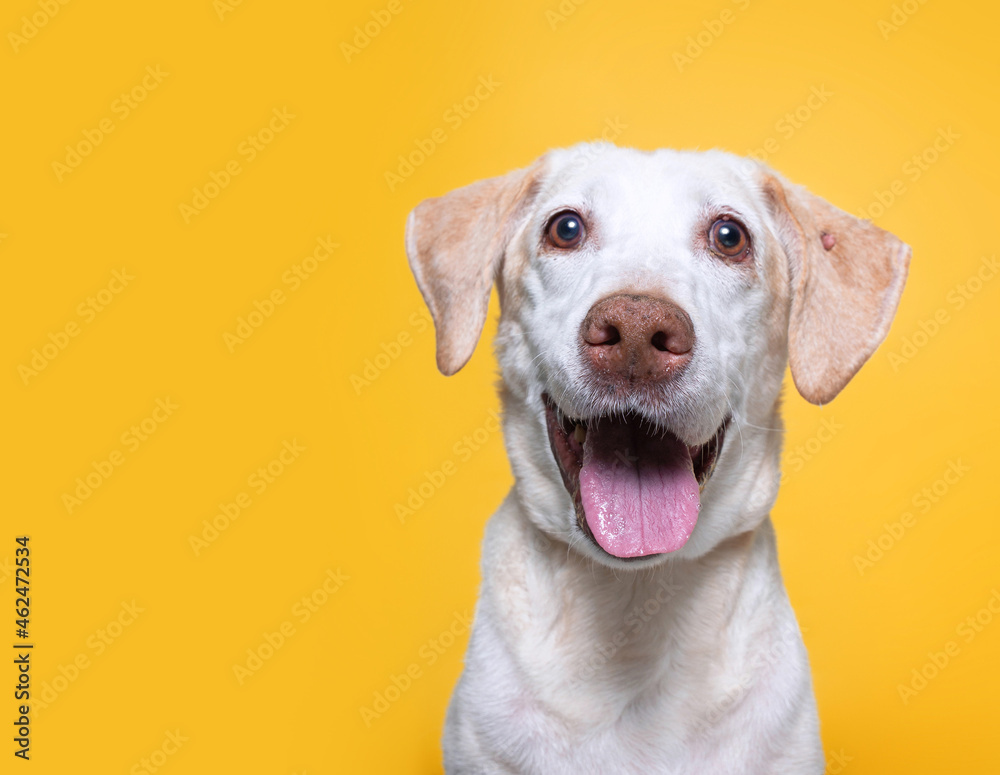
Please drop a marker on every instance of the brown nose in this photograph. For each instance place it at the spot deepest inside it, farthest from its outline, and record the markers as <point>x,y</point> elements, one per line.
<point>637,338</point>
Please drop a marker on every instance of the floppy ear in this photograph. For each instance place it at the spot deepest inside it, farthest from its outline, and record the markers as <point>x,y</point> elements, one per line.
<point>455,244</point>
<point>847,276</point>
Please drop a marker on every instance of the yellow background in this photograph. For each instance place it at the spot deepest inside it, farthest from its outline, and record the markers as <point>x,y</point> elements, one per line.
<point>559,79</point>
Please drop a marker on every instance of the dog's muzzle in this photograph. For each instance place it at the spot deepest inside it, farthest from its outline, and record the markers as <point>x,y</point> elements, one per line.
<point>636,486</point>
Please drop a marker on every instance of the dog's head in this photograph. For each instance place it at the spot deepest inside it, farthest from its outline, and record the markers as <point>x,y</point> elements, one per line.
<point>649,304</point>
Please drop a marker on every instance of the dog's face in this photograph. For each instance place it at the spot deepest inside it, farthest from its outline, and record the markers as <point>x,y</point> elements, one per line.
<point>650,302</point>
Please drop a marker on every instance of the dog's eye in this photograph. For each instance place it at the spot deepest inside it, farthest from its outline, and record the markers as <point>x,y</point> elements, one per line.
<point>565,230</point>
<point>728,238</point>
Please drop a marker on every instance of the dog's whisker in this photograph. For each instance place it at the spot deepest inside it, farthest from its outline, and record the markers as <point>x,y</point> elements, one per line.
<point>736,420</point>
<point>762,428</point>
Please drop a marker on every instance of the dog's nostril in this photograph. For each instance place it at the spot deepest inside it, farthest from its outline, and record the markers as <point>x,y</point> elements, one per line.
<point>659,341</point>
<point>606,334</point>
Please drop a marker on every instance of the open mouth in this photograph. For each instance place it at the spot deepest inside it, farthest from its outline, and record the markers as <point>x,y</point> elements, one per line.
<point>636,488</point>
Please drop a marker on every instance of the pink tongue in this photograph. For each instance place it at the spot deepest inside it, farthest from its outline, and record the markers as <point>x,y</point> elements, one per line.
<point>639,492</point>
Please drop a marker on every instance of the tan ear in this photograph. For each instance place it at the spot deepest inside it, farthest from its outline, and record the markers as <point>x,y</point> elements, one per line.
<point>847,276</point>
<point>455,244</point>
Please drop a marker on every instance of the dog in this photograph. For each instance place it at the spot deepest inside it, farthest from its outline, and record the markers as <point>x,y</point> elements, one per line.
<point>632,616</point>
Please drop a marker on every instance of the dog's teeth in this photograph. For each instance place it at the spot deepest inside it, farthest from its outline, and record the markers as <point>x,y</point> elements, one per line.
<point>579,433</point>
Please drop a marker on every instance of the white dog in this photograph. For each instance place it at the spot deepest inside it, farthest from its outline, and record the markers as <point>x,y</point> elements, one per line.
<point>632,617</point>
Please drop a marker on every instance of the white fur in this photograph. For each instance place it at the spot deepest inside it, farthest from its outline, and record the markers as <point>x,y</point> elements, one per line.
<point>689,663</point>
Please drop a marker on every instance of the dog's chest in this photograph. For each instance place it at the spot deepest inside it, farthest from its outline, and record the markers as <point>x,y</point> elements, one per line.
<point>659,733</point>
<point>622,707</point>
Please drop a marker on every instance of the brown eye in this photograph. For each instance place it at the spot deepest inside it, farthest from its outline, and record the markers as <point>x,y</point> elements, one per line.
<point>727,238</point>
<point>565,230</point>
